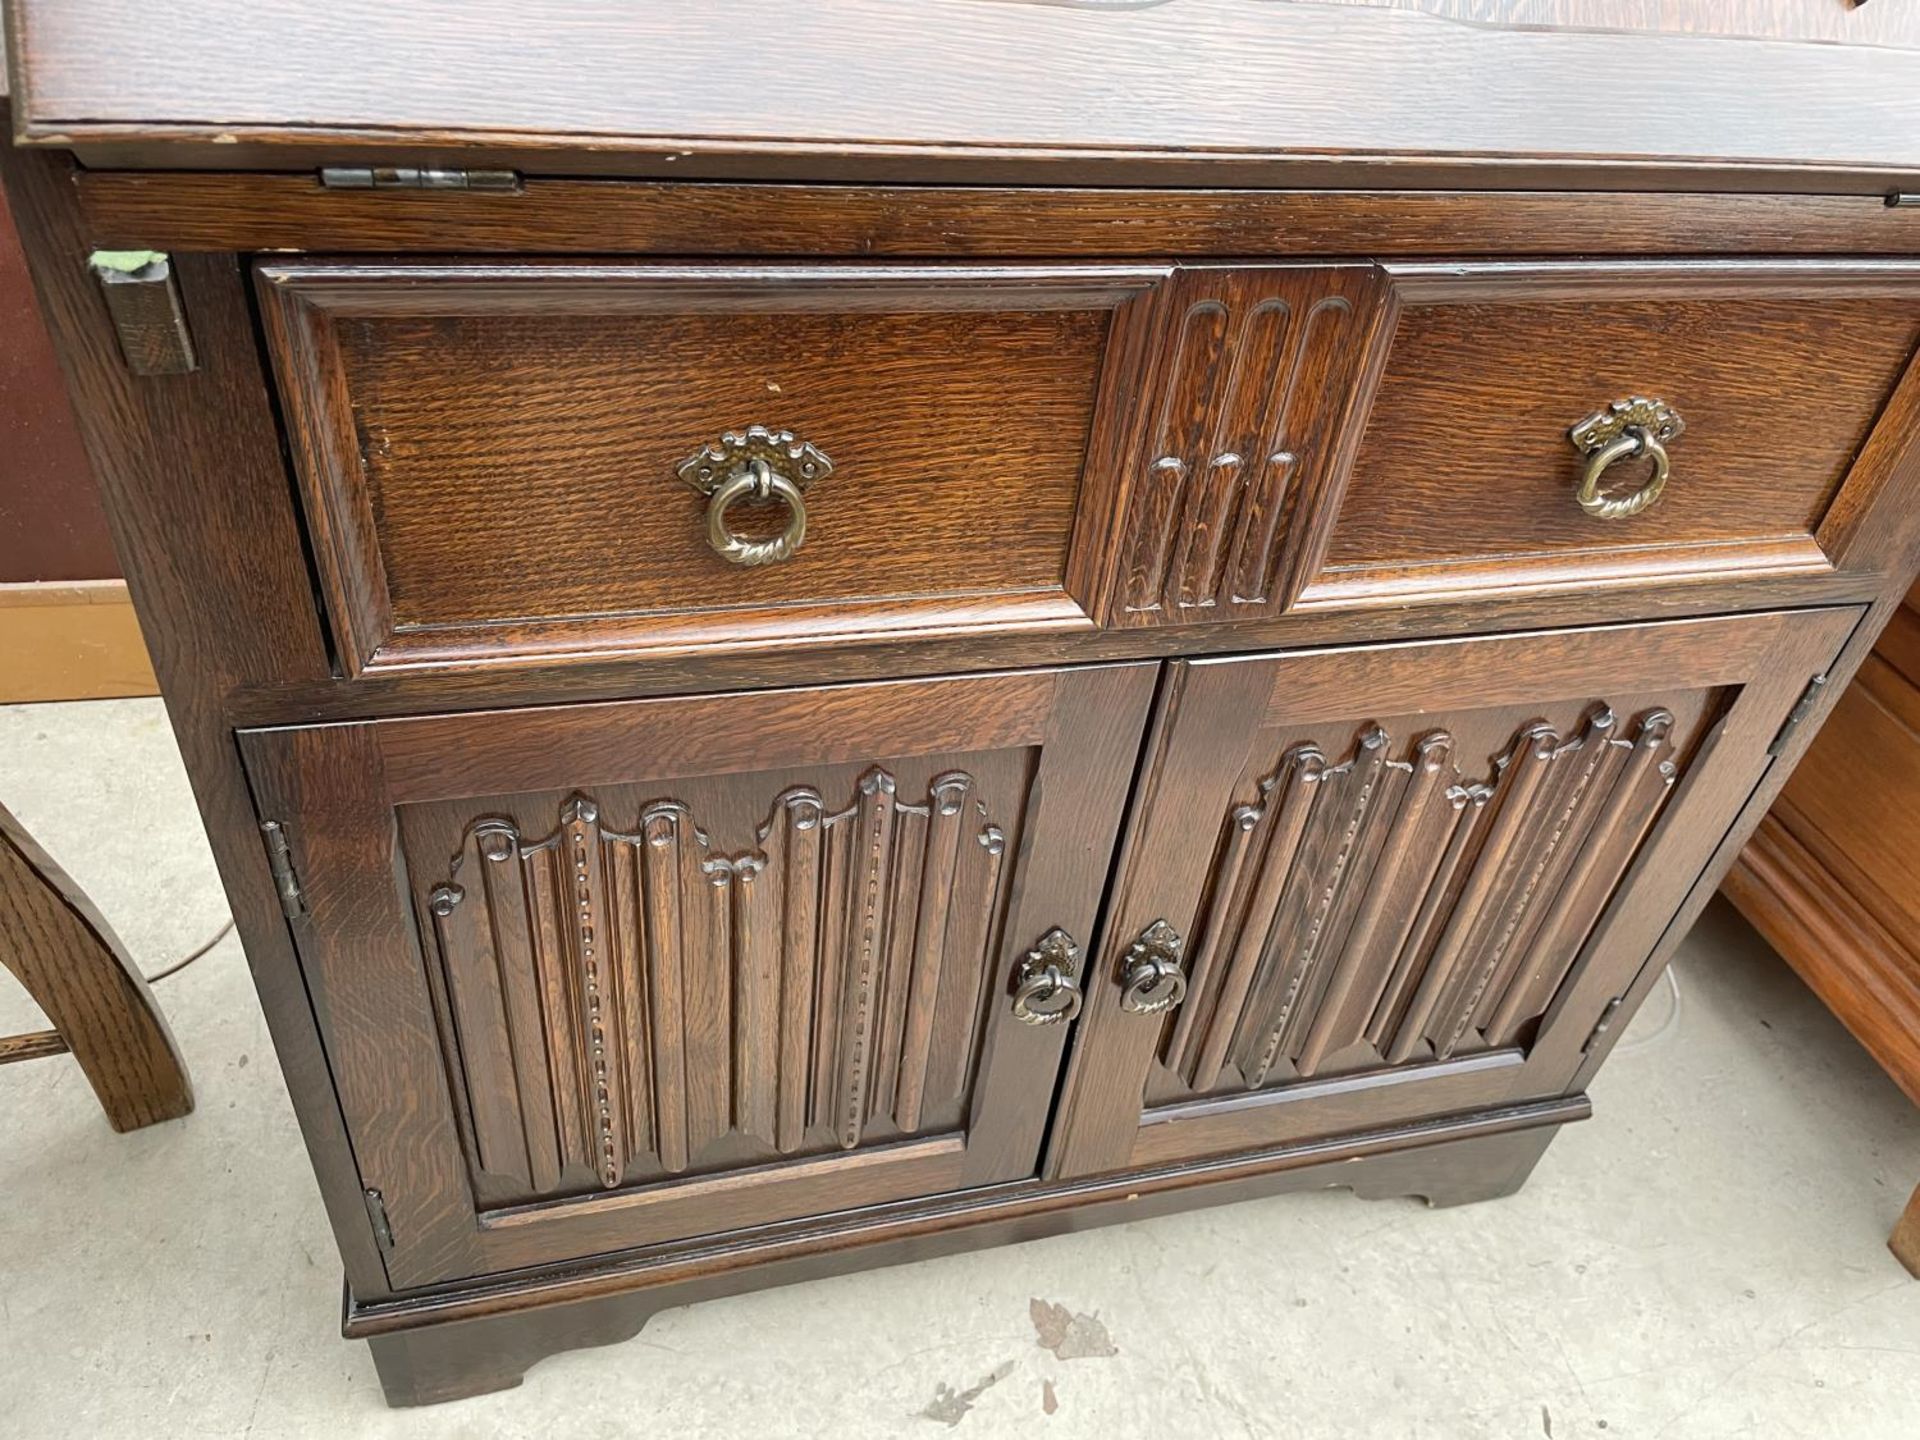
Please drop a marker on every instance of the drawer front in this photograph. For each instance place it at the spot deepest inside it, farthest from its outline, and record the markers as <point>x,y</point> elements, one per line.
<point>518,460</point>
<point>1366,887</point>
<point>1350,438</point>
<point>615,975</point>
<point>532,462</point>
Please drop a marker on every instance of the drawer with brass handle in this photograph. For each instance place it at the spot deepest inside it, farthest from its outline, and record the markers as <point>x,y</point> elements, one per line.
<point>538,461</point>
<point>1353,439</point>
<point>527,461</point>
<point>1527,433</point>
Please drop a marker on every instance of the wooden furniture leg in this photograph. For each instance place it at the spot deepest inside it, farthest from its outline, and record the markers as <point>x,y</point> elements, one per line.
<point>1905,1240</point>
<point>61,949</point>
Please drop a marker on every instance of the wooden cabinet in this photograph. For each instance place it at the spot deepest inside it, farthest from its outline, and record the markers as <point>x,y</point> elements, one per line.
<point>1367,887</point>
<point>604,976</point>
<point>794,676</point>
<point>655,970</point>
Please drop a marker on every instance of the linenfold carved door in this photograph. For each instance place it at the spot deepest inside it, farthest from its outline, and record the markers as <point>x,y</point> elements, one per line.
<point>659,969</point>
<point>1369,886</point>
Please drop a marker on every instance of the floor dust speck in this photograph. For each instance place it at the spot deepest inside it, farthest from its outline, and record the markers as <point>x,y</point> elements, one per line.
<point>1068,1335</point>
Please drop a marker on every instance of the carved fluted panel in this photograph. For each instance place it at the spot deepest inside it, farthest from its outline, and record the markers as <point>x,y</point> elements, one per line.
<point>623,999</point>
<point>1391,909</point>
<point>1251,426</point>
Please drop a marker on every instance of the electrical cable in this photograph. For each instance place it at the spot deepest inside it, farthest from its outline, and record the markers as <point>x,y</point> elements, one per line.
<point>177,966</point>
<point>1641,1042</point>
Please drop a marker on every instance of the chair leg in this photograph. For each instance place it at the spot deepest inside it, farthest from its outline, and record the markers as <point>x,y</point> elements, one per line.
<point>1905,1242</point>
<point>61,949</point>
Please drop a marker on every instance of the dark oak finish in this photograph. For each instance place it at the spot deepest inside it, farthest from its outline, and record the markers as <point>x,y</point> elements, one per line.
<point>1395,872</point>
<point>489,476</point>
<point>61,949</point>
<point>145,306</point>
<point>195,211</point>
<point>753,963</point>
<point>434,1348</point>
<point>488,454</point>
<point>637,927</point>
<point>1253,407</point>
<point>1465,481</point>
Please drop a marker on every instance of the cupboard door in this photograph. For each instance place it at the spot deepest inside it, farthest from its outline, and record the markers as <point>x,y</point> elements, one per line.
<point>1368,886</point>
<point>600,976</point>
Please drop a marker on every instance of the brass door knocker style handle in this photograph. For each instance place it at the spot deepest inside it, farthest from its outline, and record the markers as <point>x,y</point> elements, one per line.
<point>1046,986</point>
<point>1151,979</point>
<point>758,465</point>
<point>1625,430</point>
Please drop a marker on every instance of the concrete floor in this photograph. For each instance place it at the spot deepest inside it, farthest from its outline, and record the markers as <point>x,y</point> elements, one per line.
<point>1704,1258</point>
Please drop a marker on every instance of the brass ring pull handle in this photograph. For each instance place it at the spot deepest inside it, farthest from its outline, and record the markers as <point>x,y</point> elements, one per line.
<point>759,465</point>
<point>1626,429</point>
<point>1046,985</point>
<point>757,482</point>
<point>1151,979</point>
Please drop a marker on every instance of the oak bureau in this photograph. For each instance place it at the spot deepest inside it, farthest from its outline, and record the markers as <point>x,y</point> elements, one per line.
<point>811,641</point>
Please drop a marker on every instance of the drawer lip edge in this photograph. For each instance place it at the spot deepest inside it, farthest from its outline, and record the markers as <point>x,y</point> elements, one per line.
<point>1051,610</point>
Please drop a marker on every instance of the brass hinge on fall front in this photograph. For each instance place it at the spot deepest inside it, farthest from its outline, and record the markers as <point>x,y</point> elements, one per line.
<point>409,177</point>
<point>1802,708</point>
<point>285,882</point>
<point>1900,199</point>
<point>377,1213</point>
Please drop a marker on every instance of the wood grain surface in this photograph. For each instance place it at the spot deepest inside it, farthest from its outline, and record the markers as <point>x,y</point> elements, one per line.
<point>489,454</point>
<point>71,642</point>
<point>466,1006</point>
<point>59,946</point>
<point>184,210</point>
<point>1539,828</point>
<point>1466,475</point>
<point>1019,88</point>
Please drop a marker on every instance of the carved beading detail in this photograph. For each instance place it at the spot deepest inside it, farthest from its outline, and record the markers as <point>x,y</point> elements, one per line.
<point>1251,429</point>
<point>791,979</point>
<point>1390,911</point>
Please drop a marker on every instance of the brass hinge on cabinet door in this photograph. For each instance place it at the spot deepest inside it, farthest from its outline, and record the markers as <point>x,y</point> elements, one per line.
<point>1802,708</point>
<point>407,177</point>
<point>1603,1024</point>
<point>285,881</point>
<point>377,1213</point>
<point>1899,198</point>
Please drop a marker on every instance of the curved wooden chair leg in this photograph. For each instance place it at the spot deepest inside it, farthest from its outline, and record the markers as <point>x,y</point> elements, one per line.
<point>74,967</point>
<point>1905,1242</point>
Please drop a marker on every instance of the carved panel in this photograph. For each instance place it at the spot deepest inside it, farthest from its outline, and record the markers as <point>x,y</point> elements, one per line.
<point>623,999</point>
<point>1390,909</point>
<point>1254,419</point>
